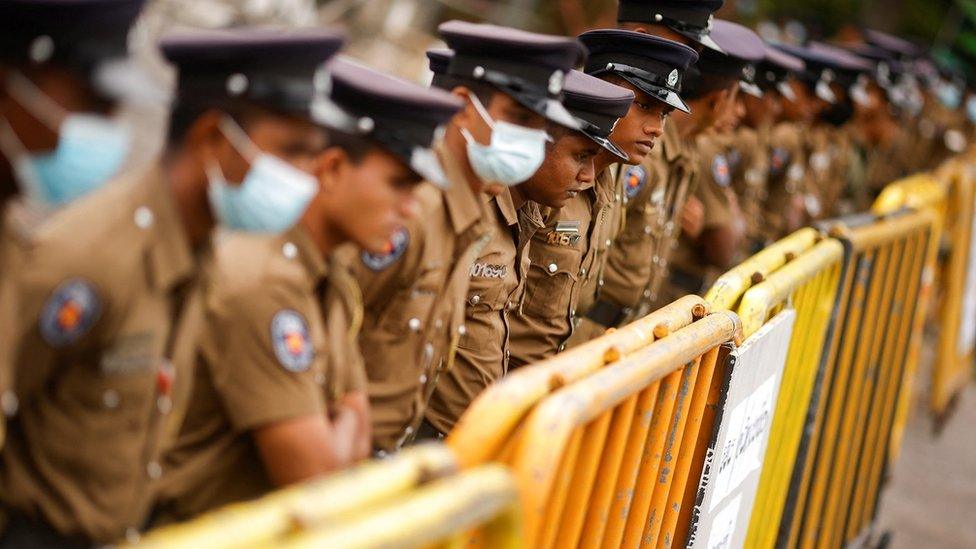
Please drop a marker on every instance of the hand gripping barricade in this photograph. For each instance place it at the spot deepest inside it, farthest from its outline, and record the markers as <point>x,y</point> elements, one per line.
<point>603,438</point>
<point>414,499</point>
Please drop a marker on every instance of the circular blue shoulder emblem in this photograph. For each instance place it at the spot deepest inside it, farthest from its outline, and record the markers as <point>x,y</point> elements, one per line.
<point>634,180</point>
<point>720,171</point>
<point>69,313</point>
<point>394,249</point>
<point>292,346</point>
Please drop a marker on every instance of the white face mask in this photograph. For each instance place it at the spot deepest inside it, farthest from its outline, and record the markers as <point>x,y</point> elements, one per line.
<point>514,154</point>
<point>273,195</point>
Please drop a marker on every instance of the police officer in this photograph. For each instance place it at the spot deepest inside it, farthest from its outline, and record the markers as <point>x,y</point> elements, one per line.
<point>110,295</point>
<point>713,85</point>
<point>511,82</point>
<point>57,141</point>
<point>63,68</point>
<point>498,276</point>
<point>280,391</point>
<point>543,318</point>
<point>753,140</point>
<point>651,68</point>
<point>656,191</point>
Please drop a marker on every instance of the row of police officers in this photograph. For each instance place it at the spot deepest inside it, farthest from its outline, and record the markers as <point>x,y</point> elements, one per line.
<point>327,263</point>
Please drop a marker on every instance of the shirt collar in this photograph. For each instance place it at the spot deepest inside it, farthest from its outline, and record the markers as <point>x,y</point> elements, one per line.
<point>506,207</point>
<point>462,205</point>
<point>306,251</point>
<point>171,257</point>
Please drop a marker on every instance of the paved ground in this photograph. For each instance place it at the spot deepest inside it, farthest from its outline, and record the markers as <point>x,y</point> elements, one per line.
<point>931,502</point>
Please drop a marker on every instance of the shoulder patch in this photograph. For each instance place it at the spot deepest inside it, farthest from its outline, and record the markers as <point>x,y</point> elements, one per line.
<point>70,312</point>
<point>394,249</point>
<point>778,160</point>
<point>720,171</point>
<point>291,342</point>
<point>634,180</point>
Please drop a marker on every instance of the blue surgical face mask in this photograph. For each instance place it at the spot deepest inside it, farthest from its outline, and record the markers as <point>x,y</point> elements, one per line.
<point>272,196</point>
<point>514,154</point>
<point>91,149</point>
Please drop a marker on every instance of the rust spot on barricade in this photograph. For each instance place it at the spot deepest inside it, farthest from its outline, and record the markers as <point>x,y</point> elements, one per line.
<point>790,256</point>
<point>699,311</point>
<point>662,331</point>
<point>556,382</point>
<point>758,277</point>
<point>611,355</point>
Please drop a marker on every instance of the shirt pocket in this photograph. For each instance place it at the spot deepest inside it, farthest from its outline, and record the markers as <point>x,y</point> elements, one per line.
<point>410,307</point>
<point>550,283</point>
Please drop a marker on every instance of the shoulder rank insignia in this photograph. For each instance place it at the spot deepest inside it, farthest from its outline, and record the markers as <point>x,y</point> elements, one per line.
<point>69,313</point>
<point>720,171</point>
<point>778,160</point>
<point>394,249</point>
<point>289,336</point>
<point>634,180</point>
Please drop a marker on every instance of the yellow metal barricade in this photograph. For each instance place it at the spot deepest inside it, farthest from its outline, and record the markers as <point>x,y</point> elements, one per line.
<point>809,284</point>
<point>425,476</point>
<point>837,478</point>
<point>608,460</point>
<point>488,429</point>
<point>950,193</point>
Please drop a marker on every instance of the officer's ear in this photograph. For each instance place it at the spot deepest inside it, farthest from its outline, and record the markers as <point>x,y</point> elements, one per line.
<point>204,137</point>
<point>330,167</point>
<point>464,117</point>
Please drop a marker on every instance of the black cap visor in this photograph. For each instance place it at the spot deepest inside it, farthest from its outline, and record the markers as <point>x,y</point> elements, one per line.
<point>543,105</point>
<point>597,135</point>
<point>703,37</point>
<point>660,93</point>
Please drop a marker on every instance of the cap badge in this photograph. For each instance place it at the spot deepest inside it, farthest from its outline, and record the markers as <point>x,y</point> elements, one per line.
<point>749,72</point>
<point>289,336</point>
<point>673,78</point>
<point>634,181</point>
<point>41,49</point>
<point>556,82</point>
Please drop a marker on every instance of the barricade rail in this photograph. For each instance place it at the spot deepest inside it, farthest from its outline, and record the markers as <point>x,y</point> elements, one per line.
<point>624,441</point>
<point>837,475</point>
<point>422,479</point>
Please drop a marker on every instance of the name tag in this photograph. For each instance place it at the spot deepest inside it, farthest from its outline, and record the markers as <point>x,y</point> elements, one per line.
<point>566,233</point>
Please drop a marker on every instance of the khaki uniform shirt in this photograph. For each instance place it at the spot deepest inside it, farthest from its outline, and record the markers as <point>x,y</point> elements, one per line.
<point>279,343</point>
<point>12,249</point>
<point>414,298</point>
<point>637,265</point>
<point>562,257</point>
<point>494,294</point>
<point>750,178</point>
<point>787,177</point>
<point>714,189</point>
<point>109,305</point>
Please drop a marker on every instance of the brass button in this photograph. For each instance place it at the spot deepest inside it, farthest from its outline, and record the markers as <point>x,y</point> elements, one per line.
<point>414,324</point>
<point>111,398</point>
<point>553,267</point>
<point>154,470</point>
<point>476,299</point>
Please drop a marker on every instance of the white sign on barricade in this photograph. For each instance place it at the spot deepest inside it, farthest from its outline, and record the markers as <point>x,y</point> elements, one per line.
<point>733,461</point>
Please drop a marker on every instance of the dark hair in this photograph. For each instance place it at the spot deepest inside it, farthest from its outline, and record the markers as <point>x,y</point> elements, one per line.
<point>186,113</point>
<point>355,146</point>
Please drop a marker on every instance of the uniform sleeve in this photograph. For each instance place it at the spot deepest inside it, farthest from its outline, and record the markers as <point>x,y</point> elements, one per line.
<point>379,275</point>
<point>261,357</point>
<point>60,313</point>
<point>717,201</point>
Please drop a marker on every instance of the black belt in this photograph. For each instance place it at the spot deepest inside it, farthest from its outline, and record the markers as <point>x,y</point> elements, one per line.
<point>686,281</point>
<point>607,314</point>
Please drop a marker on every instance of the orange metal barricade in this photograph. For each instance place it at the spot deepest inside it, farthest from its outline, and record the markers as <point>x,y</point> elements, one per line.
<point>608,458</point>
